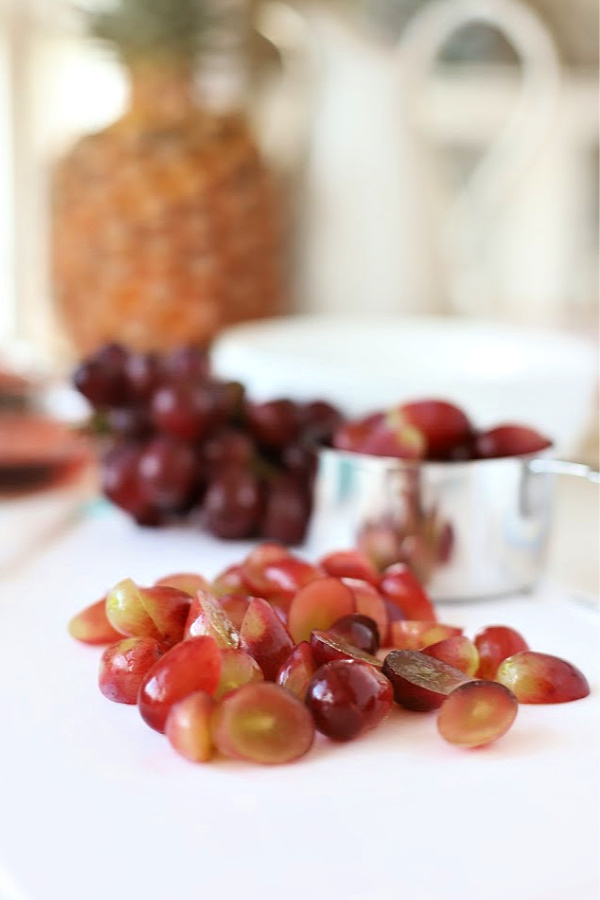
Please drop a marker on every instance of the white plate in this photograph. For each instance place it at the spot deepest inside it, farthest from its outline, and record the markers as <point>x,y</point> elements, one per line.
<point>542,378</point>
<point>95,805</point>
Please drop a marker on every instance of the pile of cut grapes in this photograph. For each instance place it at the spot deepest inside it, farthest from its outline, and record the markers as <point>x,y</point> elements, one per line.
<point>254,663</point>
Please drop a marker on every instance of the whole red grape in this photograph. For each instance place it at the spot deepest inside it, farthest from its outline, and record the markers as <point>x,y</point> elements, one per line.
<point>233,504</point>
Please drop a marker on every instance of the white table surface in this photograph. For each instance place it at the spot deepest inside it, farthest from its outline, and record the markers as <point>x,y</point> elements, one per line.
<point>93,804</point>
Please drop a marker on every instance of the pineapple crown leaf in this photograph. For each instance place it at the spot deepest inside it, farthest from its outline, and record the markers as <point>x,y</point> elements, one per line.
<point>148,28</point>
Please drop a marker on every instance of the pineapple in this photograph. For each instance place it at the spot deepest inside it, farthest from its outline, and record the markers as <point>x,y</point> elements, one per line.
<point>166,226</point>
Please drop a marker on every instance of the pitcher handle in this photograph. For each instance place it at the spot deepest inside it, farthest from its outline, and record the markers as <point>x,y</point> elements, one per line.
<point>519,140</point>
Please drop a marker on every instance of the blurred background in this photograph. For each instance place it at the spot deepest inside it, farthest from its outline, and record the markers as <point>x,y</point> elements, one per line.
<point>395,156</point>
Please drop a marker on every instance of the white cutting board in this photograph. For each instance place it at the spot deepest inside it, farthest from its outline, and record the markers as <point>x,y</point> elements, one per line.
<point>95,805</point>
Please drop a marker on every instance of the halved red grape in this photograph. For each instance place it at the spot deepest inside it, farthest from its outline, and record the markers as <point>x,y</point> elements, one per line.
<point>237,668</point>
<point>230,582</point>
<point>263,723</point>
<point>542,678</point>
<point>296,671</point>
<point>394,437</point>
<point>369,602</point>
<point>193,665</point>
<point>351,436</point>
<point>189,582</point>
<point>443,425</point>
<point>400,586</point>
<point>408,634</point>
<point>350,564</point>
<point>421,682</point>
<point>477,713</point>
<point>328,646</point>
<point>509,440</point>
<point>235,607</point>
<point>271,571</point>
<point>124,665</point>
<point>495,643</point>
<point>207,616</point>
<point>159,612</point>
<point>91,625</point>
<point>348,697</point>
<point>359,630</point>
<point>457,651</point>
<point>265,637</point>
<point>317,606</point>
<point>188,727</point>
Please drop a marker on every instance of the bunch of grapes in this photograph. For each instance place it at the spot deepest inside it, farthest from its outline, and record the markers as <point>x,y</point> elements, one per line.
<point>184,446</point>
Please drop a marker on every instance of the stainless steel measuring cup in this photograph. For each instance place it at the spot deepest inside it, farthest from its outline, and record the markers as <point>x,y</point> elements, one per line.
<point>469,530</point>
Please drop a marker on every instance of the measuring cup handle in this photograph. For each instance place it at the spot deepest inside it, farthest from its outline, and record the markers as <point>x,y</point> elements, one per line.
<point>563,467</point>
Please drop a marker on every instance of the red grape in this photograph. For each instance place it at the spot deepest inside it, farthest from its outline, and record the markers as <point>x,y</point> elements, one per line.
<point>328,646</point>
<point>142,374</point>
<point>402,589</point>
<point>124,665</point>
<point>477,713</point>
<point>443,425</point>
<point>319,420</point>
<point>410,634</point>
<point>237,668</point>
<point>265,637</point>
<point>297,669</point>
<point>101,377</point>
<point>457,651</point>
<point>347,697</point>
<point>287,511</point>
<point>317,606</point>
<point>207,616</point>
<point>167,473</point>
<point>263,723</point>
<point>350,564</point>
<point>228,448</point>
<point>91,625</point>
<point>494,643</point>
<point>183,410</point>
<point>187,364</point>
<point>509,440</point>
<point>158,612</point>
<point>121,484</point>
<point>193,665</point>
<point>369,602</point>
<point>420,682</point>
<point>274,424</point>
<point>351,436</point>
<point>188,727</point>
<point>358,630</point>
<point>541,678</point>
<point>233,504</point>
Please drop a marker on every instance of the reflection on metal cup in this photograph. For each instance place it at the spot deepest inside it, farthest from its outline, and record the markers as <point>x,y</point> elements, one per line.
<point>469,530</point>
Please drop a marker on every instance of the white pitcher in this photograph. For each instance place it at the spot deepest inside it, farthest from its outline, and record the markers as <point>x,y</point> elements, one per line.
<point>374,236</point>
